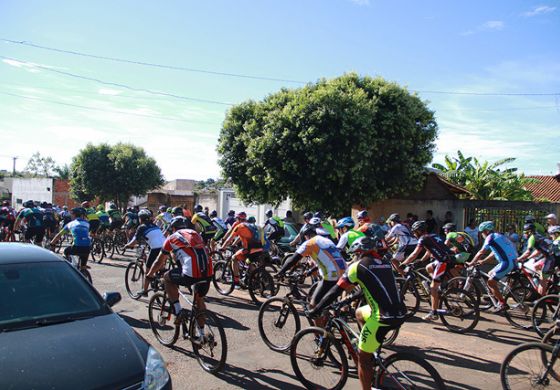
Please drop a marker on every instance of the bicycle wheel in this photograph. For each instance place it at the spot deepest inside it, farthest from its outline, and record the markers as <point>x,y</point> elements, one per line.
<point>462,312</point>
<point>278,323</point>
<point>318,359</point>
<point>468,285</point>
<point>552,336</point>
<point>410,296</point>
<point>216,256</point>
<point>519,312</point>
<point>390,337</point>
<point>525,368</point>
<point>545,313</point>
<point>261,285</point>
<point>134,279</point>
<point>160,315</point>
<point>120,243</point>
<point>97,252</point>
<point>404,370</point>
<point>223,277</point>
<point>211,351</point>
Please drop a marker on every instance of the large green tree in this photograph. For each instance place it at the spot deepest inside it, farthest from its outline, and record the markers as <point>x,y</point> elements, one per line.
<point>485,180</point>
<point>328,145</point>
<point>40,166</point>
<point>113,173</point>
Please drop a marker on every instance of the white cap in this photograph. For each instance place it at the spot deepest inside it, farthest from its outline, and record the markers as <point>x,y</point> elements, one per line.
<point>551,216</point>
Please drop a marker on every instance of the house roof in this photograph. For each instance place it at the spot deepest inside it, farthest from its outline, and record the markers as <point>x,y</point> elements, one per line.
<point>547,188</point>
<point>456,189</point>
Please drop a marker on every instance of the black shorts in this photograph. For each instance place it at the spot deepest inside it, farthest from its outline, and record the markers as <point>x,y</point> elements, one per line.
<point>152,257</point>
<point>35,232</point>
<point>94,225</point>
<point>322,289</point>
<point>276,235</point>
<point>115,225</point>
<point>49,225</point>
<point>81,251</point>
<point>200,286</point>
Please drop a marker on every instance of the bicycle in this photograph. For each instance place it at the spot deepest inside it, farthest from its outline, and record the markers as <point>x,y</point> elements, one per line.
<point>532,365</point>
<point>134,275</point>
<point>97,250</point>
<point>75,261</point>
<point>458,308</point>
<point>119,241</point>
<point>214,343</point>
<point>325,356</point>
<point>545,313</point>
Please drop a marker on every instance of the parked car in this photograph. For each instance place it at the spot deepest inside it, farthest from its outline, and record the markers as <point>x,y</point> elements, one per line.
<point>58,332</point>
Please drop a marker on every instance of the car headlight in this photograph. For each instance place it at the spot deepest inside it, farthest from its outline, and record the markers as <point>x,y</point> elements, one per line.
<point>156,375</point>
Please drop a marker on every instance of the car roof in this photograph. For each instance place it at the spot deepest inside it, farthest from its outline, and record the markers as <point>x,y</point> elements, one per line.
<point>12,253</point>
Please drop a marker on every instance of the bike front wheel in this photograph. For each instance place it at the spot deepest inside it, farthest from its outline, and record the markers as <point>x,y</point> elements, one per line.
<point>404,370</point>
<point>545,313</point>
<point>519,311</point>
<point>526,368</point>
<point>278,323</point>
<point>410,296</point>
<point>223,277</point>
<point>161,317</point>
<point>461,310</point>
<point>134,279</point>
<point>211,349</point>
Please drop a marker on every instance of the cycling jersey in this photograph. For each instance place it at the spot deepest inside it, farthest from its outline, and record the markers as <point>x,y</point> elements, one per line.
<point>104,218</point>
<point>405,238</point>
<point>502,248</point>
<point>348,238</point>
<point>274,228</point>
<point>189,250</point>
<point>66,217</point>
<point>91,214</point>
<point>79,228</point>
<point>49,216</point>
<point>151,233</point>
<point>328,227</point>
<point>437,247</point>
<point>230,221</point>
<point>326,255</point>
<point>205,223</point>
<point>33,216</point>
<point>163,219</point>
<point>248,234</point>
<point>115,215</point>
<point>463,242</point>
<point>132,219</point>
<point>219,223</point>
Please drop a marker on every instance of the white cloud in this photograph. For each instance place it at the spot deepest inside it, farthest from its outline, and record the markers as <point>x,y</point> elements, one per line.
<point>22,65</point>
<point>491,25</point>
<point>539,10</point>
<point>108,91</point>
<point>361,2</point>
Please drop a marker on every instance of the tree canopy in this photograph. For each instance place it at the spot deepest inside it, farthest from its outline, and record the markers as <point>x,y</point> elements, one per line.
<point>40,166</point>
<point>328,145</point>
<point>113,173</point>
<point>485,180</point>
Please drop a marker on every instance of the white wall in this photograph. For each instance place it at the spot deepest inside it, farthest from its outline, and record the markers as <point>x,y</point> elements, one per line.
<point>37,189</point>
<point>228,201</point>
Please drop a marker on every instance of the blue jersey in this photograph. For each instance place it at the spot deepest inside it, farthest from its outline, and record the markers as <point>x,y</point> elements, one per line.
<point>502,248</point>
<point>79,228</point>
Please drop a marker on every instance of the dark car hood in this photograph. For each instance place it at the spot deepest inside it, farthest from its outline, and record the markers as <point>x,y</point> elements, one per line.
<point>97,353</point>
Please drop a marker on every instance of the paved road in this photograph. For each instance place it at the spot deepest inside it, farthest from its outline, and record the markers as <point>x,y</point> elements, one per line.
<point>464,361</point>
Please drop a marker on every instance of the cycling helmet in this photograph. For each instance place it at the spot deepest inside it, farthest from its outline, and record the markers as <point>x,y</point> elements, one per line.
<point>213,214</point>
<point>6,203</point>
<point>529,218</point>
<point>144,214</point>
<point>85,204</point>
<point>486,225</point>
<point>251,219</point>
<point>307,216</point>
<point>316,222</point>
<point>177,211</point>
<point>169,210</point>
<point>346,221</point>
<point>198,208</point>
<point>241,215</point>
<point>318,214</point>
<point>65,208</point>
<point>113,206</point>
<point>529,227</point>
<point>308,230</point>
<point>231,213</point>
<point>394,218</point>
<point>419,226</point>
<point>269,213</point>
<point>78,211</point>
<point>178,222</point>
<point>162,209</point>
<point>44,204</point>
<point>100,207</point>
<point>449,227</point>
<point>362,214</point>
<point>363,244</point>
<point>554,229</point>
<point>29,204</point>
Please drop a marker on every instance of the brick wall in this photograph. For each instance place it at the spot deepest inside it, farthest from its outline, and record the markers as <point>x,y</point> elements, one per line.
<point>61,194</point>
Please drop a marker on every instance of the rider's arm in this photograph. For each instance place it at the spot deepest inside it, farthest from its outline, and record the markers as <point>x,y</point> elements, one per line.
<point>57,236</point>
<point>343,284</point>
<point>290,262</point>
<point>342,241</point>
<point>413,255</point>
<point>139,233</point>
<point>481,253</point>
<point>158,264</point>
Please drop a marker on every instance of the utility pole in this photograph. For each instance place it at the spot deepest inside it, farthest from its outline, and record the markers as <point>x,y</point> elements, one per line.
<point>14,166</point>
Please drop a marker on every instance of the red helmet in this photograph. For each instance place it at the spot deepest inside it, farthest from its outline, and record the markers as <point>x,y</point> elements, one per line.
<point>241,215</point>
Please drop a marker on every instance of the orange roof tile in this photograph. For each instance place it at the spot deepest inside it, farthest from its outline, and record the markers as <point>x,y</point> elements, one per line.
<point>548,188</point>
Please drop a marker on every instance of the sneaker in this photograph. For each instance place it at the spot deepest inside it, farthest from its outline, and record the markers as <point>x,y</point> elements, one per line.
<point>501,308</point>
<point>431,316</point>
<point>142,293</point>
<point>181,316</point>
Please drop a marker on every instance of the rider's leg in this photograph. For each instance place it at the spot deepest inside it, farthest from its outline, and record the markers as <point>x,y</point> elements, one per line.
<point>172,291</point>
<point>365,369</point>
<point>367,345</point>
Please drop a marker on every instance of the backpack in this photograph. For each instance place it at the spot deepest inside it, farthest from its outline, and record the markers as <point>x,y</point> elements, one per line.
<point>374,231</point>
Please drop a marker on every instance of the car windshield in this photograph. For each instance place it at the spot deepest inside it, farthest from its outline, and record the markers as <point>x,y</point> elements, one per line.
<point>39,294</point>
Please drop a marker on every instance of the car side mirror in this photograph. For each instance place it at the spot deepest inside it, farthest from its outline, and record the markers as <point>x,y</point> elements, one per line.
<point>112,298</point>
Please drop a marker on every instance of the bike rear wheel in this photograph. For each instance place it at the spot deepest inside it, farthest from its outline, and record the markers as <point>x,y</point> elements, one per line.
<point>223,277</point>
<point>545,313</point>
<point>161,317</point>
<point>519,312</point>
<point>134,279</point>
<point>410,296</point>
<point>278,323</point>
<point>211,352</point>
<point>97,251</point>
<point>525,366</point>
<point>404,370</point>
<point>261,285</point>
<point>318,359</point>
<point>462,312</point>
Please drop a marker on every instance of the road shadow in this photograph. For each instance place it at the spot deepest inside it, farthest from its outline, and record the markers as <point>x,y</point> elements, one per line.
<point>232,302</point>
<point>257,379</point>
<point>134,322</point>
<point>113,265</point>
<point>510,337</point>
<point>230,323</point>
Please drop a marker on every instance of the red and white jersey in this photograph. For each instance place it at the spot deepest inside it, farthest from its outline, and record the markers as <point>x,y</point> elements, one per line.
<point>189,250</point>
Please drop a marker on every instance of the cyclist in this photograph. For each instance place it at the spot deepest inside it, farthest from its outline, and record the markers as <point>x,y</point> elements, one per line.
<point>130,221</point>
<point>385,309</point>
<point>150,233</point>
<point>65,215</point>
<point>554,232</point>
<point>327,257</point>
<point>400,236</point>
<point>239,218</point>
<point>50,221</point>
<point>7,216</point>
<point>348,235</point>
<point>306,218</point>
<point>92,218</point>
<point>179,218</point>
<point>203,224</point>
<point>363,221</point>
<point>189,251</point>
<point>163,218</point>
<point>115,217</point>
<point>230,220</point>
<point>33,217</point>
<point>503,251</point>
<point>104,220</point>
<point>221,227</point>
<point>443,263</point>
<point>538,255</point>
<point>461,243</point>
<point>551,220</point>
<point>539,228</point>
<point>80,229</point>
<point>273,227</point>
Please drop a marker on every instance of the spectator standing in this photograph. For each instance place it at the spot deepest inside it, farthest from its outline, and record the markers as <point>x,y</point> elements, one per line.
<point>472,230</point>
<point>431,224</point>
<point>289,217</point>
<point>512,235</point>
<point>551,220</point>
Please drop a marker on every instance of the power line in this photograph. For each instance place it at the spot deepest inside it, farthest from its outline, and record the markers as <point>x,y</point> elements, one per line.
<point>247,76</point>
<point>113,84</point>
<point>103,109</point>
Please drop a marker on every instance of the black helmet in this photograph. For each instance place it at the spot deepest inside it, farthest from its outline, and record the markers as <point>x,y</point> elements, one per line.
<point>318,214</point>
<point>178,223</point>
<point>78,211</point>
<point>113,206</point>
<point>308,215</point>
<point>529,218</point>
<point>177,211</point>
<point>29,203</point>
<point>198,208</point>
<point>364,244</point>
<point>162,208</point>
<point>529,227</point>
<point>394,218</point>
<point>213,214</point>
<point>450,227</point>
<point>251,219</point>
<point>308,230</point>
<point>269,213</point>
<point>144,215</point>
<point>315,222</point>
<point>231,213</point>
<point>419,226</point>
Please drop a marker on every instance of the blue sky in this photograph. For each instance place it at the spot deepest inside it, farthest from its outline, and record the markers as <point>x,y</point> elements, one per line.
<point>503,46</point>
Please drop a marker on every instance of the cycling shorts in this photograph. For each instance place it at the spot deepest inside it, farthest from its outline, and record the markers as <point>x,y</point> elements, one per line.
<point>115,225</point>
<point>501,270</point>
<point>94,225</point>
<point>323,287</point>
<point>152,257</point>
<point>403,252</point>
<point>441,268</point>
<point>248,254</point>
<point>200,286</point>
<point>375,329</point>
<point>35,232</point>
<point>81,251</point>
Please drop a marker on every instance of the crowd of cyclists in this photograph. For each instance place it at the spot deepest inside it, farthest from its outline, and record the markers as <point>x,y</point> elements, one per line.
<point>345,253</point>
